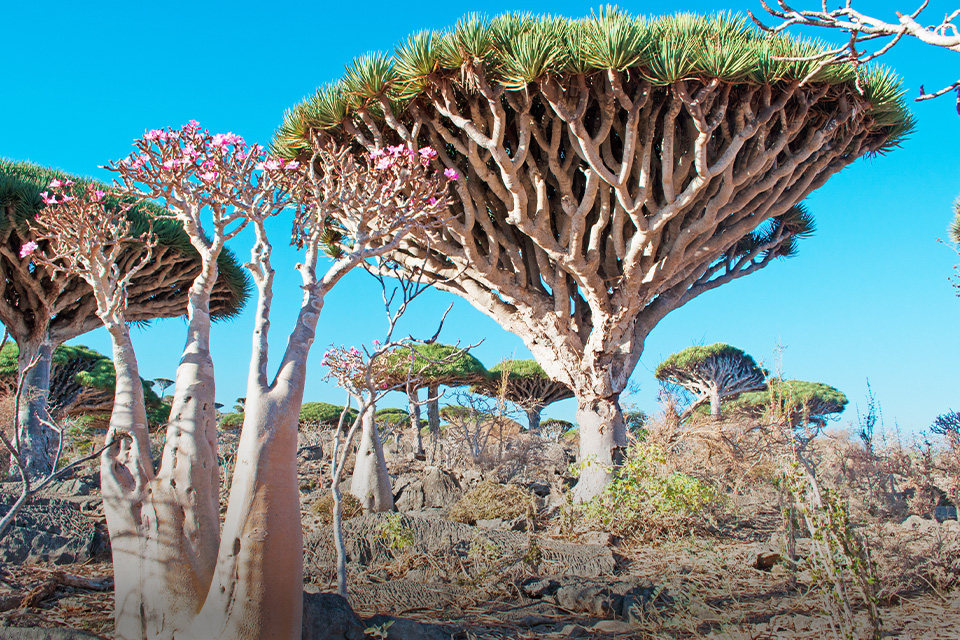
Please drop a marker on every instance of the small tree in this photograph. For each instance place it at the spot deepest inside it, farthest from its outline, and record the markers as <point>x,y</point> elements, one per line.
<point>430,366</point>
<point>192,581</point>
<point>42,308</point>
<point>711,374</point>
<point>527,385</point>
<point>804,406</point>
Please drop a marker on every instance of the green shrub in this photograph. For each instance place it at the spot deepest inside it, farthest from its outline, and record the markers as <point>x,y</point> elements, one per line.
<point>324,413</point>
<point>231,421</point>
<point>645,499</point>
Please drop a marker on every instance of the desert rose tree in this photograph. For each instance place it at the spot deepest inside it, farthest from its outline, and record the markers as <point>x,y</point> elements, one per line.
<point>611,169</point>
<point>176,574</point>
<point>712,373</point>
<point>42,311</point>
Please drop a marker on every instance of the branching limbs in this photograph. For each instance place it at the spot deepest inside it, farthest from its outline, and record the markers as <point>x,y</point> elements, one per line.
<point>865,31</point>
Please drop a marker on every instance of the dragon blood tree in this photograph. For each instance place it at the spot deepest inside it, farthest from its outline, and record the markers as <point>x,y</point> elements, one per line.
<point>804,406</point>
<point>41,311</point>
<point>177,574</point>
<point>711,374</point>
<point>609,170</point>
<point>430,365</point>
<point>525,384</point>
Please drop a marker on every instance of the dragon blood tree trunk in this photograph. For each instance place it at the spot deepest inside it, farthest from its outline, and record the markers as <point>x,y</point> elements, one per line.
<point>37,440</point>
<point>602,440</point>
<point>371,482</point>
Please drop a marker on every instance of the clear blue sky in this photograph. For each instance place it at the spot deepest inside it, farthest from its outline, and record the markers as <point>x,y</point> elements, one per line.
<point>867,296</point>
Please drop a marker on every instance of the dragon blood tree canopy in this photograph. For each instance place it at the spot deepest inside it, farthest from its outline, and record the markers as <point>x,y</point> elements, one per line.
<point>527,385</point>
<point>42,309</point>
<point>609,169</point>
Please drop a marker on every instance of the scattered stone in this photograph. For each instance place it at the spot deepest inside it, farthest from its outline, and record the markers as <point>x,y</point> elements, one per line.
<point>434,488</point>
<point>35,633</point>
<point>490,523</point>
<point>573,631</point>
<point>51,530</point>
<point>766,560</point>
<point>916,523</point>
<point>406,629</point>
<point>613,626</point>
<point>328,616</point>
<point>314,452</point>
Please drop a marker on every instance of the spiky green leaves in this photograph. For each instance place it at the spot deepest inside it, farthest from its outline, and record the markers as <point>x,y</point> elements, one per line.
<point>691,358</point>
<point>517,49</point>
<point>954,228</point>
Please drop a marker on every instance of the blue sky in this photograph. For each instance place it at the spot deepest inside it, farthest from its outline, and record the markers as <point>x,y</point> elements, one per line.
<point>867,296</point>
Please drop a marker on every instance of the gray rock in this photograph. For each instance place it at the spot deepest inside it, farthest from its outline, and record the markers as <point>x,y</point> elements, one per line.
<point>51,530</point>
<point>435,488</point>
<point>328,616</point>
<point>405,629</point>
<point>573,631</point>
<point>34,633</point>
<point>314,452</point>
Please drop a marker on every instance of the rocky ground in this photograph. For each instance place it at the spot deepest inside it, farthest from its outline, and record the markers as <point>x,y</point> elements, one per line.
<point>443,567</point>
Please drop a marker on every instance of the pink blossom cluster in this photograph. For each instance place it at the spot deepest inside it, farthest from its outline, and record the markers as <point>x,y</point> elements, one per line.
<point>348,366</point>
<point>192,151</point>
<point>396,155</point>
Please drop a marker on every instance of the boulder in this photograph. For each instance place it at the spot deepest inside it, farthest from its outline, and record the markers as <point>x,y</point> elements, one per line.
<point>434,488</point>
<point>328,616</point>
<point>51,530</point>
<point>405,629</point>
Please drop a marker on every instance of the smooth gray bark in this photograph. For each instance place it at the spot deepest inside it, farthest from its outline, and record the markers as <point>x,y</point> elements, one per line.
<point>371,482</point>
<point>38,442</point>
<point>602,441</point>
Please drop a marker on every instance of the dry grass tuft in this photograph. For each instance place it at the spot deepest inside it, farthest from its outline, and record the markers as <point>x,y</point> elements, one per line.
<point>323,508</point>
<point>490,500</point>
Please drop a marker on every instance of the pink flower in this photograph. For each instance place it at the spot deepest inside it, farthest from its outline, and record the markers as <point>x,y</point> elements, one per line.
<point>68,183</point>
<point>171,164</point>
<point>98,195</point>
<point>192,125</point>
<point>44,195</point>
<point>432,200</point>
<point>396,150</point>
<point>376,153</point>
<point>428,153</point>
<point>54,184</point>
<point>28,248</point>
<point>385,163</point>
<point>451,174</point>
<point>209,176</point>
<point>268,165</point>
<point>68,198</point>
<point>293,166</point>
<point>208,165</point>
<point>242,155</point>
<point>153,134</point>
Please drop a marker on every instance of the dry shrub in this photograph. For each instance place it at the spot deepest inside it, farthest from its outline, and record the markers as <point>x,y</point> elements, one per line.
<point>489,500</point>
<point>323,508</point>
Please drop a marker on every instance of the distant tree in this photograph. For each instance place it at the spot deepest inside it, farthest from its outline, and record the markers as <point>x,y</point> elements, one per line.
<point>527,385</point>
<point>554,428</point>
<point>948,425</point>
<point>163,383</point>
<point>804,406</point>
<point>432,366</point>
<point>712,373</point>
<point>43,307</point>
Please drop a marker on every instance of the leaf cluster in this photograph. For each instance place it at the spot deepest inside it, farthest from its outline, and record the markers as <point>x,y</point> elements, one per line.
<point>22,182</point>
<point>686,363</point>
<point>515,50</point>
<point>797,401</point>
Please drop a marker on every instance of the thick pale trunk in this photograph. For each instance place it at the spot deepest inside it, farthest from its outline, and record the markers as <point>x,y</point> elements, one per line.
<point>602,439</point>
<point>714,403</point>
<point>257,590</point>
<point>533,418</point>
<point>371,482</point>
<point>414,397</point>
<point>38,442</point>
<point>148,573</point>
